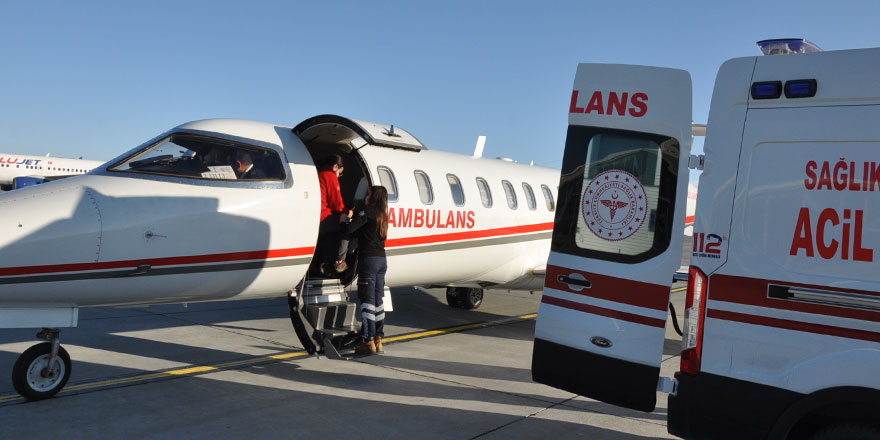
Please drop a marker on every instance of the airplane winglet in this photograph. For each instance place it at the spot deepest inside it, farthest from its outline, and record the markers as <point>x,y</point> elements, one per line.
<point>481,142</point>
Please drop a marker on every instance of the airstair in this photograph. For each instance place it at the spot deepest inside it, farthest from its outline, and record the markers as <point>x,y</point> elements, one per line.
<point>324,318</point>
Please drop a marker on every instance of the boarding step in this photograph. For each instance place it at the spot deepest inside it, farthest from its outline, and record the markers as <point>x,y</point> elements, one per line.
<point>334,315</point>
<point>322,291</point>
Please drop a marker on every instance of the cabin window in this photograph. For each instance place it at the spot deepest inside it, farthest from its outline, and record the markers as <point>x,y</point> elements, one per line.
<point>548,198</point>
<point>511,196</point>
<point>426,193</point>
<point>530,196</point>
<point>485,192</point>
<point>386,179</point>
<point>455,188</point>
<point>202,157</point>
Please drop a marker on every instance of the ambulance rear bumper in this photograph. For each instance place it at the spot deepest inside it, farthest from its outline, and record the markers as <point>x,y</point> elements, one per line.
<point>709,406</point>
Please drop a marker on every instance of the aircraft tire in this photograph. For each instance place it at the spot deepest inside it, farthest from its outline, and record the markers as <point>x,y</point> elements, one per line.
<point>27,375</point>
<point>470,298</point>
<point>452,297</point>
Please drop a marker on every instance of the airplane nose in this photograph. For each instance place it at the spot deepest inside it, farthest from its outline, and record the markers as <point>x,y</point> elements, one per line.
<point>49,224</point>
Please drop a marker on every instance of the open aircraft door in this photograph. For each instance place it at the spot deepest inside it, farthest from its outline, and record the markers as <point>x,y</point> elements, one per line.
<point>617,237</point>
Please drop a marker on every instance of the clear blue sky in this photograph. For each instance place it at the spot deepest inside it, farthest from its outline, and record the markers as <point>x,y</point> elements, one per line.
<point>95,79</point>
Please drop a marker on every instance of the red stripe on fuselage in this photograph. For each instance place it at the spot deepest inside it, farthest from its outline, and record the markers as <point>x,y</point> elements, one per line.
<point>467,235</point>
<point>154,262</point>
<point>616,314</point>
<point>265,254</point>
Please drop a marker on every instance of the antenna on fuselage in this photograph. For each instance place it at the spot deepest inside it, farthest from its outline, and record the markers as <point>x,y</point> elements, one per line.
<point>481,143</point>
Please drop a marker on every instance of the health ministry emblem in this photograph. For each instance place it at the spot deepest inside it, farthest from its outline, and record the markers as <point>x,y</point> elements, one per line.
<point>614,205</point>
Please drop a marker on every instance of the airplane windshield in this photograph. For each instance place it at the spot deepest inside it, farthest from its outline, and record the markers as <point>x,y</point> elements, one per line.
<point>201,157</point>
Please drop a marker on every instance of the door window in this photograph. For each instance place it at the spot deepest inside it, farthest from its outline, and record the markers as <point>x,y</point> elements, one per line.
<point>617,194</point>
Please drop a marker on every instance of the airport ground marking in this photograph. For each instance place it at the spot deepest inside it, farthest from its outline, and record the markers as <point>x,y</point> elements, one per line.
<point>202,369</point>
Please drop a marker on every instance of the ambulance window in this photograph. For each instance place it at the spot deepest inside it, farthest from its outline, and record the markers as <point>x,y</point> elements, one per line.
<point>548,198</point>
<point>530,196</point>
<point>386,178</point>
<point>426,193</point>
<point>455,188</point>
<point>617,194</point>
<point>205,158</point>
<point>485,192</point>
<point>511,196</point>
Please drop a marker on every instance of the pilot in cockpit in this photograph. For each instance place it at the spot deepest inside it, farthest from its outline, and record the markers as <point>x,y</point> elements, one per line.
<point>244,166</point>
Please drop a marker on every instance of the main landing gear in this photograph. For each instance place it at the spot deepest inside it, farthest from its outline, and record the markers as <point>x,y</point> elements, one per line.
<point>467,298</point>
<point>42,370</point>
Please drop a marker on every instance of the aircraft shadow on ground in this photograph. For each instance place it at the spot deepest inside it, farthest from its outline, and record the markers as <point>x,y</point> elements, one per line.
<point>201,409</point>
<point>106,329</point>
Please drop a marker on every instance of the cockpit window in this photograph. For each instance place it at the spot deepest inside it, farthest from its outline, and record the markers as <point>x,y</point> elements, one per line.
<point>201,157</point>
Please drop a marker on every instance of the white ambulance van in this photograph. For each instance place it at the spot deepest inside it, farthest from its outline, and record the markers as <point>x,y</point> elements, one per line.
<point>782,328</point>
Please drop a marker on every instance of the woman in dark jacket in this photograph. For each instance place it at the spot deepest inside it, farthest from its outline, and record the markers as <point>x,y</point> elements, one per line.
<point>370,226</point>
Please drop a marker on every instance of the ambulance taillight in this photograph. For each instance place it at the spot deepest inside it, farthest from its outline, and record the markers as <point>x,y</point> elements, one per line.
<point>694,314</point>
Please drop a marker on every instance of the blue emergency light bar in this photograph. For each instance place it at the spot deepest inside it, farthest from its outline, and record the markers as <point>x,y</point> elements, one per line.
<point>783,46</point>
<point>800,88</point>
<point>767,90</point>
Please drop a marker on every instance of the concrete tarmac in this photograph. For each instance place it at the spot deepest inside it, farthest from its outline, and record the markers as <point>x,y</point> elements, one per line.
<point>235,370</point>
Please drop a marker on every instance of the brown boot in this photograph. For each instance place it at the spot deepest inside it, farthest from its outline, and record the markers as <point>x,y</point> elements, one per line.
<point>366,347</point>
<point>377,342</point>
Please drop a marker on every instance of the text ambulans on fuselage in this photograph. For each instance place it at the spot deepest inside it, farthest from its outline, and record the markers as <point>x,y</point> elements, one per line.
<point>782,331</point>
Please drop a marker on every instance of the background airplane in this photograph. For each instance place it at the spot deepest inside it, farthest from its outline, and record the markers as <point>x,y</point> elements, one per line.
<point>18,170</point>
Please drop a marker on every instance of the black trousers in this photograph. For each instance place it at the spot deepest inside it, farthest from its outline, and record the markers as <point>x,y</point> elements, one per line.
<point>332,239</point>
<point>371,289</point>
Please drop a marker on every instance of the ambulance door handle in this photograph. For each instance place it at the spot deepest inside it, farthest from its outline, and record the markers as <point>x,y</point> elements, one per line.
<point>575,279</point>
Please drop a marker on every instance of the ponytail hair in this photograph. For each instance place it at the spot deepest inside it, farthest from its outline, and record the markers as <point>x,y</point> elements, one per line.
<point>378,200</point>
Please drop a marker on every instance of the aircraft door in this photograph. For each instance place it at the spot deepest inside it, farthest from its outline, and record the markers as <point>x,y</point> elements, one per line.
<point>617,236</point>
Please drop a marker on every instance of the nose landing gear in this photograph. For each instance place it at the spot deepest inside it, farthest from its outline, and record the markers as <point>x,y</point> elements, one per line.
<point>42,370</point>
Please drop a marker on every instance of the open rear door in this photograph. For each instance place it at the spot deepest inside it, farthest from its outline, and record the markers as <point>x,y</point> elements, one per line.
<point>617,237</point>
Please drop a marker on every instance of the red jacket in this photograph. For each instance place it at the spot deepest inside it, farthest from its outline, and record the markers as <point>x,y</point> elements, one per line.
<point>331,193</point>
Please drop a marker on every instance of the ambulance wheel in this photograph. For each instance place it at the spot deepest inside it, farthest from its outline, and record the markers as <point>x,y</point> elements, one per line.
<point>848,431</point>
<point>34,378</point>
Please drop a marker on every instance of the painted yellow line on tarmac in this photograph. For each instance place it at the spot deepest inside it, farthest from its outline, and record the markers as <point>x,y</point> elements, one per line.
<point>678,290</point>
<point>459,328</point>
<point>199,369</point>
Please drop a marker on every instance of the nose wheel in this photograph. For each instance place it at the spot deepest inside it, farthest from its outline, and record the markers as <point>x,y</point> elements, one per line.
<point>42,370</point>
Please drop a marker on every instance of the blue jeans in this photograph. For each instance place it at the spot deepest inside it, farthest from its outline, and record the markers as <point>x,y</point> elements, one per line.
<point>371,289</point>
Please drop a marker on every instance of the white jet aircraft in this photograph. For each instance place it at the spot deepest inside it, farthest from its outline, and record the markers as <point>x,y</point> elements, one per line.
<point>168,222</point>
<point>40,168</point>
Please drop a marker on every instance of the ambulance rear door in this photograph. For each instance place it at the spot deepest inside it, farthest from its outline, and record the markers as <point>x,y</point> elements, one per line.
<point>618,233</point>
